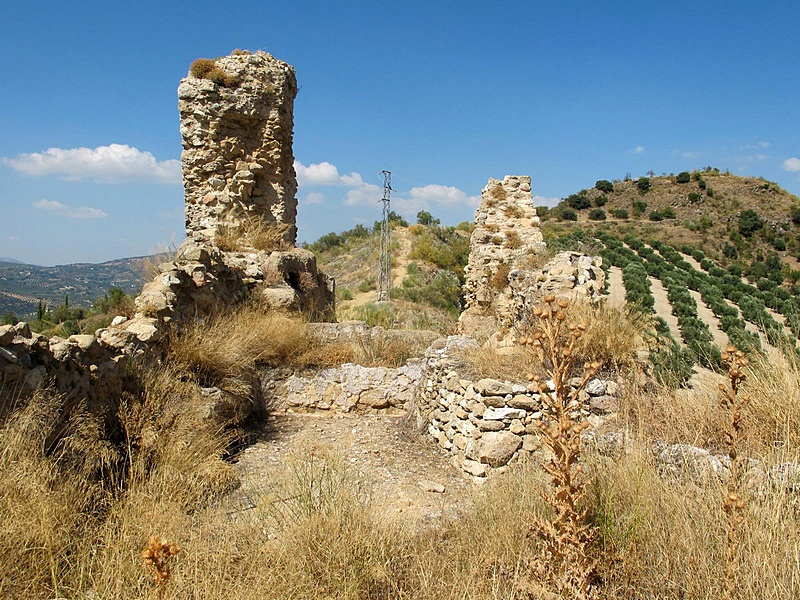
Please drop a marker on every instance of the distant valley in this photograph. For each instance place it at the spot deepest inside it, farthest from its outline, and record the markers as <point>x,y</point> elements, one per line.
<point>22,285</point>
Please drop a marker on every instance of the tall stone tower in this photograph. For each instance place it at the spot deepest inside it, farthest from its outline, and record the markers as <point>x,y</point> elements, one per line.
<point>505,236</point>
<point>236,125</point>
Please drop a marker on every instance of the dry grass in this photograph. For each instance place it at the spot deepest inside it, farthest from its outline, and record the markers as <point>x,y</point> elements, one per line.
<point>613,336</point>
<point>75,515</point>
<point>254,233</point>
<point>508,364</point>
<point>317,533</point>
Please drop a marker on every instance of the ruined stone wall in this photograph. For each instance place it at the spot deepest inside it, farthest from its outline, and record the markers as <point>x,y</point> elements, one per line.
<point>505,237</point>
<point>237,159</point>
<point>488,424</point>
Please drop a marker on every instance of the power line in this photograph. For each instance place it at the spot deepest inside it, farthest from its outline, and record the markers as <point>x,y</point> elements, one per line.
<point>385,261</point>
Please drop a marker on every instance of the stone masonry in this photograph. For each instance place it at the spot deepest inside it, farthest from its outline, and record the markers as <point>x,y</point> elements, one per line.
<point>506,234</point>
<point>237,156</point>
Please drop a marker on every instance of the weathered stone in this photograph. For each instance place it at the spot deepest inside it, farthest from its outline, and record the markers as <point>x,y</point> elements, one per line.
<point>498,414</point>
<point>492,387</point>
<point>7,334</point>
<point>431,486</point>
<point>490,425</point>
<point>145,329</point>
<point>525,402</point>
<point>496,448</point>
<point>474,468</point>
<point>596,387</point>
<point>237,147</point>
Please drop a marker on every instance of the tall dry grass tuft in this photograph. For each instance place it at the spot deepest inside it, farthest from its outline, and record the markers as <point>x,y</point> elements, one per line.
<point>49,496</point>
<point>223,351</point>
<point>567,566</point>
<point>254,233</point>
<point>613,336</point>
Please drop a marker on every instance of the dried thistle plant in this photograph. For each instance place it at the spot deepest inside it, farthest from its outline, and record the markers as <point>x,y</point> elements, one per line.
<point>734,504</point>
<point>157,555</point>
<point>567,566</point>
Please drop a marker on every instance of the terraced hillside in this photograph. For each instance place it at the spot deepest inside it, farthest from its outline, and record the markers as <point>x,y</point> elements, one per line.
<point>732,219</point>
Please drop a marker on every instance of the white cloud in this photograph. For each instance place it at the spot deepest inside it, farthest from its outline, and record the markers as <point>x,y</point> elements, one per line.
<point>70,212</point>
<point>791,164</point>
<point>442,195</point>
<point>545,201</point>
<point>687,153</point>
<point>638,150</point>
<point>324,173</point>
<point>365,194</point>
<point>362,193</point>
<point>313,198</point>
<point>113,163</point>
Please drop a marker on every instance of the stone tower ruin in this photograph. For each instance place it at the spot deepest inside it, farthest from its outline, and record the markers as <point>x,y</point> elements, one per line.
<point>236,125</point>
<point>505,237</point>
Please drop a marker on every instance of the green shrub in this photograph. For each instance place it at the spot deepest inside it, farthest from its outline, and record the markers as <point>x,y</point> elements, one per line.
<point>683,177</point>
<point>9,318</point>
<point>578,201</point>
<point>779,244</point>
<point>643,183</point>
<point>426,218</point>
<point>542,212</point>
<point>367,284</point>
<point>601,201</point>
<point>619,213</point>
<point>694,197</point>
<point>749,222</point>
<point>656,216</point>
<point>668,212</point>
<point>604,186</point>
<point>639,206</point>
<point>597,214</point>
<point>569,215</point>
<point>344,293</point>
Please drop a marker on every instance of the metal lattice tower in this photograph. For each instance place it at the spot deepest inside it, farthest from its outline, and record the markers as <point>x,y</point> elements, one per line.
<point>385,261</point>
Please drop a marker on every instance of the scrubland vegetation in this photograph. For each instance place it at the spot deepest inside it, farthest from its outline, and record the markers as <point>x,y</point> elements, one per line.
<point>84,494</point>
<point>77,510</point>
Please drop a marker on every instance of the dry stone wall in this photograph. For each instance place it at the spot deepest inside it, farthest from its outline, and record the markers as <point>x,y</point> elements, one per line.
<point>237,156</point>
<point>488,424</point>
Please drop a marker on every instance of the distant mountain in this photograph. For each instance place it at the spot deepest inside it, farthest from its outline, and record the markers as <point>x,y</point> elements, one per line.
<point>22,285</point>
<point>13,261</point>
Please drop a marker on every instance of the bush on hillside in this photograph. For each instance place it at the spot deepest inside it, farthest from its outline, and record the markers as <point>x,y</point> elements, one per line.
<point>656,216</point>
<point>683,177</point>
<point>668,212</point>
<point>568,214</point>
<point>597,214</point>
<point>643,183</point>
<point>620,213</point>
<point>578,201</point>
<point>639,206</point>
<point>601,201</point>
<point>749,222</point>
<point>604,186</point>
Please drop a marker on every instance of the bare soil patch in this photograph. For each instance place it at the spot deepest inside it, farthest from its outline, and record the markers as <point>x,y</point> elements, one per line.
<point>407,474</point>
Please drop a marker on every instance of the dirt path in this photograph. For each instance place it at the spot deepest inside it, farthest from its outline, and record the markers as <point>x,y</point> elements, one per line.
<point>664,308</point>
<point>616,288</point>
<point>401,239</point>
<point>707,316</point>
<point>409,477</point>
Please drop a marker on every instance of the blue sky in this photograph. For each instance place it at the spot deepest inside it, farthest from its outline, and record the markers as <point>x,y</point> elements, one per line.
<point>443,94</point>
